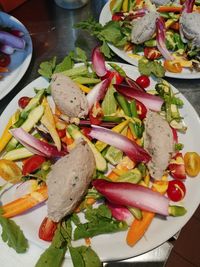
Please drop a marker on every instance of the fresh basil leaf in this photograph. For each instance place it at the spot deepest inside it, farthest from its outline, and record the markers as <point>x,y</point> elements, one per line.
<point>13,235</point>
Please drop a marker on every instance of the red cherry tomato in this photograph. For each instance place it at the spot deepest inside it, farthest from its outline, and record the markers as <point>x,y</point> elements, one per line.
<point>177,167</point>
<point>152,53</point>
<point>61,133</point>
<point>23,101</point>
<point>47,229</point>
<point>4,60</point>
<point>143,81</point>
<point>32,164</point>
<point>86,131</point>
<point>141,109</point>
<point>96,114</point>
<point>176,190</point>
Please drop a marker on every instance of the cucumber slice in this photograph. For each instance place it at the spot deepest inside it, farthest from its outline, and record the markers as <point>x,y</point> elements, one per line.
<point>33,117</point>
<point>17,154</point>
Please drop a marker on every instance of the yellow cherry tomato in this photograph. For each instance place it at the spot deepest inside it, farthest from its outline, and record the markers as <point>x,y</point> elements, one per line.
<point>10,171</point>
<point>172,66</point>
<point>192,163</point>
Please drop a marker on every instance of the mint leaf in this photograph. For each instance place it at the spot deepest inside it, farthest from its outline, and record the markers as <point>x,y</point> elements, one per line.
<point>13,235</point>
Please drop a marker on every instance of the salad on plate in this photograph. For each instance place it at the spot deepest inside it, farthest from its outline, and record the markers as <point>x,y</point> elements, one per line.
<point>100,150</point>
<point>161,37</point>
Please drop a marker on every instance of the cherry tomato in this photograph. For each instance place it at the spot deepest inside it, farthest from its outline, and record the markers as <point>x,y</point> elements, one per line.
<point>96,114</point>
<point>4,60</point>
<point>86,131</point>
<point>47,229</point>
<point>152,53</point>
<point>177,167</point>
<point>61,133</point>
<point>172,66</point>
<point>118,79</point>
<point>176,190</point>
<point>32,164</point>
<point>117,16</point>
<point>10,171</point>
<point>192,163</point>
<point>141,109</point>
<point>23,101</point>
<point>143,81</point>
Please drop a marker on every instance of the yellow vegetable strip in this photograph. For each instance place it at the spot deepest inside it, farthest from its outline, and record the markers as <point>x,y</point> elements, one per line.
<point>6,136</point>
<point>84,88</point>
<point>48,121</point>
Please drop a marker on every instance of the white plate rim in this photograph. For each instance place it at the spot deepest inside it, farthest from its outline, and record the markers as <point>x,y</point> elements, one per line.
<point>101,244</point>
<point>105,16</point>
<point>13,77</point>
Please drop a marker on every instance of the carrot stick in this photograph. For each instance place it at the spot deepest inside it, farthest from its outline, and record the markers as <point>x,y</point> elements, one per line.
<point>112,176</point>
<point>176,9</point>
<point>139,227</point>
<point>25,203</point>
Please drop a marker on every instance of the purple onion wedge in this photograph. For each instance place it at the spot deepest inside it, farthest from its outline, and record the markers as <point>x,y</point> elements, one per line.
<point>36,146</point>
<point>12,40</point>
<point>98,62</point>
<point>133,195</point>
<point>150,101</point>
<point>160,39</point>
<point>130,148</point>
<point>98,92</point>
<point>188,6</point>
<point>120,213</point>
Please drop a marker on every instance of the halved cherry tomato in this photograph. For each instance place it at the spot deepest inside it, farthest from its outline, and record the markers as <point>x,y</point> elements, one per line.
<point>61,133</point>
<point>175,135</point>
<point>177,167</point>
<point>86,131</point>
<point>176,190</point>
<point>4,60</point>
<point>96,114</point>
<point>23,101</point>
<point>172,66</point>
<point>47,229</point>
<point>113,75</point>
<point>117,16</point>
<point>32,164</point>
<point>192,163</point>
<point>143,81</point>
<point>152,53</point>
<point>141,109</point>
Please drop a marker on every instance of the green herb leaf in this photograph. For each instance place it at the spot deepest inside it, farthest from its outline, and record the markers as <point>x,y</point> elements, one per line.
<point>89,256</point>
<point>47,68</point>
<point>66,64</point>
<point>13,235</point>
<point>147,67</point>
<point>76,256</point>
<point>52,257</point>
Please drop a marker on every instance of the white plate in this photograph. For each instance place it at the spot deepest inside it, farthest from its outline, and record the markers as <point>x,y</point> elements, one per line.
<point>20,60</point>
<point>113,246</point>
<point>106,16</point>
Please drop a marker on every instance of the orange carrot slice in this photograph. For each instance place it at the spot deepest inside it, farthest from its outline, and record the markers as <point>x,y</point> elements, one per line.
<point>139,227</point>
<point>25,203</point>
<point>176,9</point>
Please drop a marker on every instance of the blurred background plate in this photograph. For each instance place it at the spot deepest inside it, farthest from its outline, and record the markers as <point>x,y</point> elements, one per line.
<point>20,60</point>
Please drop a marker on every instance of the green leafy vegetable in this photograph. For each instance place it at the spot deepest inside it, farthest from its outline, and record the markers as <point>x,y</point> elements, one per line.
<point>148,67</point>
<point>99,222</point>
<point>13,235</point>
<point>47,68</point>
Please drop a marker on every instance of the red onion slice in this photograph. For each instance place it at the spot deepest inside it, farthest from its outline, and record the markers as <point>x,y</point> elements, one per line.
<point>150,101</point>
<point>36,146</point>
<point>98,92</point>
<point>133,195</point>
<point>160,39</point>
<point>98,62</point>
<point>130,148</point>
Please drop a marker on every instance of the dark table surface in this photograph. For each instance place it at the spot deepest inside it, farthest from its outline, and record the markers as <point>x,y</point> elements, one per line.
<point>52,32</point>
